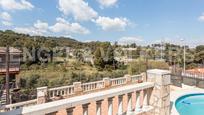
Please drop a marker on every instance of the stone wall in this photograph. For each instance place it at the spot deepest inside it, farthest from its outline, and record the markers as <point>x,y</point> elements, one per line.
<point>160,97</point>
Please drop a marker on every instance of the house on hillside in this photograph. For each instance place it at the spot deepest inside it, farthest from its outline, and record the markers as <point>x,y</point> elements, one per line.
<point>127,55</point>
<point>197,73</point>
<point>14,63</point>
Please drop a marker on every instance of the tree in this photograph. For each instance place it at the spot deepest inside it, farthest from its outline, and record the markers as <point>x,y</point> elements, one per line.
<point>98,59</point>
<point>199,56</point>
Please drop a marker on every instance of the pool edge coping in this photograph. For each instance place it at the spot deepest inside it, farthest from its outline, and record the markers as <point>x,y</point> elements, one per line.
<point>174,95</point>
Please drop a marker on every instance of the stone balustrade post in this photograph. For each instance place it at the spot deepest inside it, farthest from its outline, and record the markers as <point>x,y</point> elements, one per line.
<point>160,97</point>
<point>85,108</point>
<point>145,101</point>
<point>70,111</point>
<point>53,113</point>
<point>98,107</point>
<point>120,105</point>
<point>129,105</point>
<point>77,88</point>
<point>107,82</point>
<point>42,95</point>
<point>128,78</point>
<point>110,106</point>
<point>144,76</point>
<point>137,102</point>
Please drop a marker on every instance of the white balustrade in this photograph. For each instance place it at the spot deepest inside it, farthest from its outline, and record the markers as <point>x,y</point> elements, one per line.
<point>61,91</point>
<point>145,102</point>
<point>110,106</point>
<point>92,86</point>
<point>129,105</point>
<point>137,103</point>
<point>65,91</point>
<point>70,111</point>
<point>136,78</point>
<point>85,108</point>
<point>84,100</point>
<point>118,81</point>
<point>98,107</point>
<point>120,105</point>
<point>20,104</point>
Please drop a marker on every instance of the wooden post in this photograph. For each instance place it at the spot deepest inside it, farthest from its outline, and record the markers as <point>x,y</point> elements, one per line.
<point>7,75</point>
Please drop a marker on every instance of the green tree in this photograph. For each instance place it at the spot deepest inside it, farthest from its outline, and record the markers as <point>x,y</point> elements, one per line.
<point>98,59</point>
<point>199,57</point>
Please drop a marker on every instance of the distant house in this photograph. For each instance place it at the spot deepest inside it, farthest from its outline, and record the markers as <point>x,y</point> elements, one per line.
<point>14,62</point>
<point>197,72</point>
<point>127,56</point>
<point>14,65</point>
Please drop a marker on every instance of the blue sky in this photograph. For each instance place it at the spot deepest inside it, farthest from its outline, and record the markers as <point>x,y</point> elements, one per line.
<point>125,21</point>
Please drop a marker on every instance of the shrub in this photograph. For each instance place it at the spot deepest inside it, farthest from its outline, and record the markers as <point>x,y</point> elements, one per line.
<point>138,67</point>
<point>42,82</point>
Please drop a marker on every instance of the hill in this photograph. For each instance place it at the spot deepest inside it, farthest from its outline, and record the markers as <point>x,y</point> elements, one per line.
<point>25,40</point>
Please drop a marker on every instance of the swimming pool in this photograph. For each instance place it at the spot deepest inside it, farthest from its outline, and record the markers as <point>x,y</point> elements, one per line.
<point>191,104</point>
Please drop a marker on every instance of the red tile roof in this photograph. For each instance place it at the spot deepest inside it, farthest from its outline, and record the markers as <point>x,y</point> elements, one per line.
<point>196,71</point>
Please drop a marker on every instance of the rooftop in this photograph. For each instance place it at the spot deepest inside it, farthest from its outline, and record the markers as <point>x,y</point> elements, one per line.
<point>197,70</point>
<point>11,50</point>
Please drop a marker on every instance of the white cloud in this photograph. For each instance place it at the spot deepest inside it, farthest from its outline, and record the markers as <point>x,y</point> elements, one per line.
<point>78,8</point>
<point>130,40</point>
<point>27,30</point>
<point>16,5</point>
<point>115,24</point>
<point>201,18</point>
<point>107,3</point>
<point>6,23</point>
<point>63,26</point>
<point>41,26</point>
<point>5,16</point>
<point>38,28</point>
<point>6,19</point>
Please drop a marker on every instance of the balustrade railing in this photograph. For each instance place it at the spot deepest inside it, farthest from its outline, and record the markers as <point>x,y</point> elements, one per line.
<point>65,91</point>
<point>142,104</point>
<point>136,78</point>
<point>20,104</point>
<point>61,91</point>
<point>92,86</point>
<point>149,97</point>
<point>118,81</point>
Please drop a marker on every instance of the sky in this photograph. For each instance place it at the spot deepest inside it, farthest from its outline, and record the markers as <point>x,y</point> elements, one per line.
<point>125,21</point>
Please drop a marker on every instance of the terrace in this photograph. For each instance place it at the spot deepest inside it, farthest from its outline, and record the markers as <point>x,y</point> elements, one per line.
<point>130,95</point>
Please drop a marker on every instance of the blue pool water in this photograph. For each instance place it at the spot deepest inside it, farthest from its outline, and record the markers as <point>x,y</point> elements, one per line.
<point>191,104</point>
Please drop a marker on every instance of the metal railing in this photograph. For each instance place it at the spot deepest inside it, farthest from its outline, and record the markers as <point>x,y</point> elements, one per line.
<point>193,75</point>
